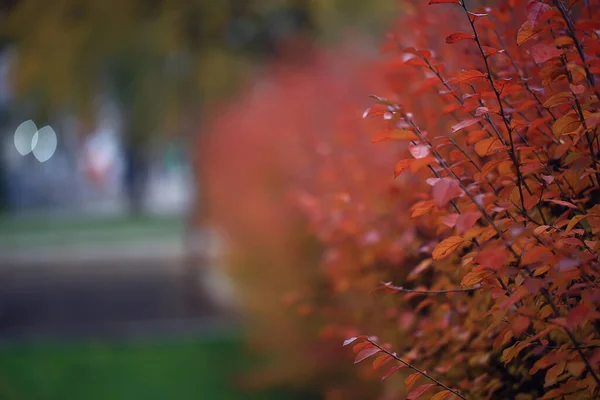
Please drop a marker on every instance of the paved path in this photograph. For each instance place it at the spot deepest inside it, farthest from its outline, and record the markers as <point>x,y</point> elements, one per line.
<point>108,288</point>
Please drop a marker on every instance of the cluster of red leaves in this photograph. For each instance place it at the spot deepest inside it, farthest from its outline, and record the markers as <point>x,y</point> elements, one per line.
<point>484,245</point>
<point>293,144</point>
<point>506,289</point>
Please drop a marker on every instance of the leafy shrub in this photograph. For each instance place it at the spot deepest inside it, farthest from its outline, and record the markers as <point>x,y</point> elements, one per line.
<point>484,246</point>
<point>506,292</point>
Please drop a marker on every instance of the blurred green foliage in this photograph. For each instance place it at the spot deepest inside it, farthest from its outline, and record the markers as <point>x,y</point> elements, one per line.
<point>160,59</point>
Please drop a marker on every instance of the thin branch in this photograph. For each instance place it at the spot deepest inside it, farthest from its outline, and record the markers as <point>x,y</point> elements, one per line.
<point>424,373</point>
<point>404,290</point>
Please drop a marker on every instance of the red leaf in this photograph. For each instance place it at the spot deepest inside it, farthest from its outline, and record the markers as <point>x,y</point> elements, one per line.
<point>468,76</point>
<point>366,353</point>
<point>445,190</point>
<point>457,37</point>
<point>464,124</point>
<point>535,9</point>
<point>392,370</point>
<point>493,258</point>
<point>578,316</point>
<point>466,221</point>
<point>418,391</point>
<point>543,52</point>
<point>418,150</point>
<point>564,203</point>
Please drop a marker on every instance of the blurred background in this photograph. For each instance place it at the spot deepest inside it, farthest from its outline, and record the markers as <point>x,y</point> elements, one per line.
<point>138,144</point>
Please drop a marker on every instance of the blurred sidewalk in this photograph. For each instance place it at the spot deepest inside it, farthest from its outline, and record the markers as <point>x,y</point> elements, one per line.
<point>101,278</point>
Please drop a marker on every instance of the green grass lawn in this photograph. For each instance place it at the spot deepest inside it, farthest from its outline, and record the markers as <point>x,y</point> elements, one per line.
<point>53,230</point>
<point>174,370</point>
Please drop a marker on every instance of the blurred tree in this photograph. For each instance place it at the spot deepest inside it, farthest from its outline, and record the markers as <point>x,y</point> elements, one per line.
<point>159,59</point>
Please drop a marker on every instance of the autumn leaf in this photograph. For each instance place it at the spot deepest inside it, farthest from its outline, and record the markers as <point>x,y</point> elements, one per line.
<point>366,353</point>
<point>488,146</point>
<point>564,203</point>
<point>574,221</point>
<point>401,166</point>
<point>419,390</point>
<point>526,32</point>
<point>390,371</point>
<point>445,190</point>
<point>468,76</point>
<point>466,221</point>
<point>411,379</point>
<point>443,395</point>
<point>578,316</point>
<point>446,247</point>
<point>535,10</point>
<point>458,36</point>
<point>557,99</point>
<point>543,52</point>
<point>493,258</point>
<point>551,376</point>
<point>379,361</point>
<point>566,124</point>
<point>418,150</point>
<point>422,207</point>
<point>473,278</point>
<point>464,124</point>
<point>351,340</point>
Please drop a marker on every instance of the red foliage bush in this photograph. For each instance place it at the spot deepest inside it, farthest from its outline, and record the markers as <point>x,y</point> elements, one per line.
<point>506,293</point>
<point>485,245</point>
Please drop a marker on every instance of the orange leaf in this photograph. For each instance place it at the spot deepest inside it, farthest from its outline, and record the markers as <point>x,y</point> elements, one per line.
<point>468,76</point>
<point>526,32</point>
<point>446,247</point>
<point>473,278</point>
<point>411,379</point>
<point>443,395</point>
<point>566,124</point>
<point>422,207</point>
<point>418,391</point>
<point>401,166</point>
<point>574,222</point>
<point>551,376</point>
<point>417,164</point>
<point>458,36</point>
<point>379,361</point>
<point>366,353</point>
<point>558,98</point>
<point>392,370</point>
<point>488,146</point>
